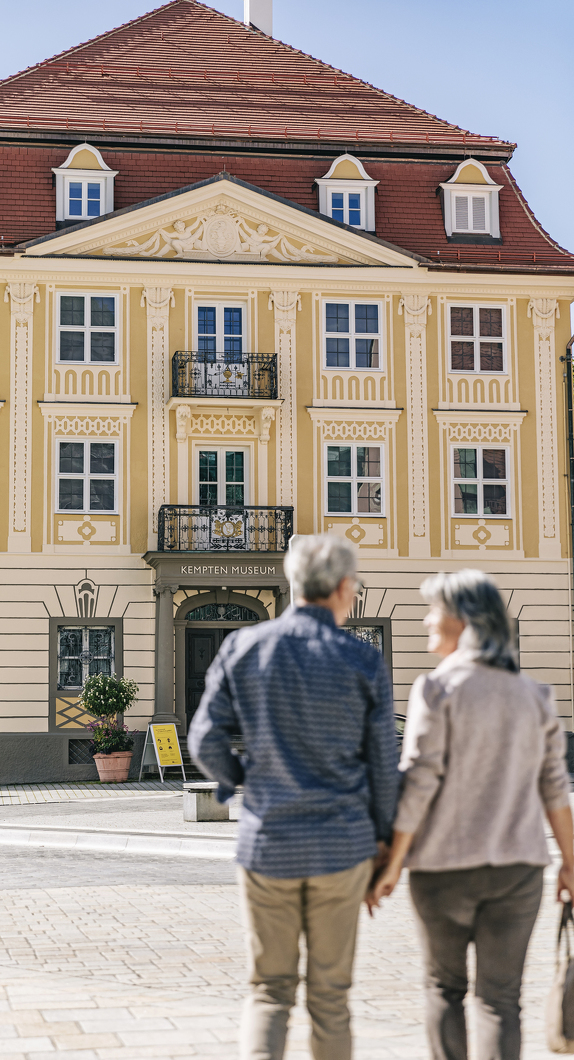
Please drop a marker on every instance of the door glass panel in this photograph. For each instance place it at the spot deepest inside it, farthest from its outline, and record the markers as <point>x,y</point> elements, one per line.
<point>233,334</point>
<point>208,478</point>
<point>207,332</point>
<point>235,478</point>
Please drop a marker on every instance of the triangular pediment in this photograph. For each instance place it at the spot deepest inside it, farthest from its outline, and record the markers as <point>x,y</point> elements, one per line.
<point>223,219</point>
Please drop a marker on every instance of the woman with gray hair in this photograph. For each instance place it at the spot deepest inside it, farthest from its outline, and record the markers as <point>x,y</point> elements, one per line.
<point>483,759</point>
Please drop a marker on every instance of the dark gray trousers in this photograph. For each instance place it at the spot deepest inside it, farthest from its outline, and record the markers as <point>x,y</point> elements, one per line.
<point>494,907</point>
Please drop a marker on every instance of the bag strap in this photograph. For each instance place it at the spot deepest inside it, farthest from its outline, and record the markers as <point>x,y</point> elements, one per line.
<point>566,921</point>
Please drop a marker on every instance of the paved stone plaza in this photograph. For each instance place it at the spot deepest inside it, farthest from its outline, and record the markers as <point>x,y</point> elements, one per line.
<point>105,956</point>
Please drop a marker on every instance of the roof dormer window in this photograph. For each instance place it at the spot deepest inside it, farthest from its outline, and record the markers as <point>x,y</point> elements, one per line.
<point>84,186</point>
<point>347,194</point>
<point>470,203</point>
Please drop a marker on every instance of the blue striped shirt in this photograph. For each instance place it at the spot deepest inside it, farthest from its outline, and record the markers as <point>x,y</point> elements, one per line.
<point>314,707</point>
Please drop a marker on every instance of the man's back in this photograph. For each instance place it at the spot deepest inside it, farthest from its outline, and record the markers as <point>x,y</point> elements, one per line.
<point>314,708</point>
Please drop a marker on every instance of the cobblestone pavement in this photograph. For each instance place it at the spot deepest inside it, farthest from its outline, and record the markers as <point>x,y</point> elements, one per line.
<point>110,958</point>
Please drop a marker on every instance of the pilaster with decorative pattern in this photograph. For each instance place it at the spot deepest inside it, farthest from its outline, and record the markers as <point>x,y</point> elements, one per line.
<point>286,305</point>
<point>21,297</point>
<point>544,312</point>
<point>415,308</point>
<point>157,300</point>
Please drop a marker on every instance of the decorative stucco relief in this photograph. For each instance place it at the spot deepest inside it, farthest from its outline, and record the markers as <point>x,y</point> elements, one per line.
<point>286,305</point>
<point>481,432</point>
<point>212,423</point>
<point>21,297</point>
<point>415,308</point>
<point>544,312</point>
<point>158,301</point>
<point>354,431</point>
<point>99,426</point>
<point>220,233</point>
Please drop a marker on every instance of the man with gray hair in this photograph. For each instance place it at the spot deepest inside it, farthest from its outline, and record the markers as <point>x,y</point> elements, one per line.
<point>320,780</point>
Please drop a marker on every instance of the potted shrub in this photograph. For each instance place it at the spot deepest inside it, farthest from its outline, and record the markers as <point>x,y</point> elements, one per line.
<point>105,697</point>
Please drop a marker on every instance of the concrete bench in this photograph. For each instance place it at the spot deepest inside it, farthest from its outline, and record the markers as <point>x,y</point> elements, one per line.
<point>200,802</point>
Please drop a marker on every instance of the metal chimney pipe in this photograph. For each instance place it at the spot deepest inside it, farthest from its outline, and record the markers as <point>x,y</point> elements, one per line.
<point>259,13</point>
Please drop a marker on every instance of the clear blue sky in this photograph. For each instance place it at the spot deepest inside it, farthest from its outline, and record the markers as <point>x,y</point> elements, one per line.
<point>498,67</point>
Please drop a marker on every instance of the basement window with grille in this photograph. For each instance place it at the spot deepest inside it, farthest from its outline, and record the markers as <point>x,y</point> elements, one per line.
<point>82,652</point>
<point>471,205</point>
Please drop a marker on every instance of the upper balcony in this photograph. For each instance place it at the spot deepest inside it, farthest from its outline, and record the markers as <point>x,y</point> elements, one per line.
<point>223,528</point>
<point>224,375</point>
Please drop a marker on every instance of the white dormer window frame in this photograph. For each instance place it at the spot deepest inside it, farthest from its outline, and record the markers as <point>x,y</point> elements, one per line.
<point>471,209</point>
<point>362,186</point>
<point>102,179</point>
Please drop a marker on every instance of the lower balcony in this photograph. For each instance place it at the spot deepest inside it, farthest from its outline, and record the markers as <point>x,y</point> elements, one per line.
<point>202,528</point>
<point>224,375</point>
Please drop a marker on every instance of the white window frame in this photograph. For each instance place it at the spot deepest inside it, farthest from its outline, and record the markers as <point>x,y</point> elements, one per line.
<point>476,338</point>
<point>220,307</point>
<point>363,185</point>
<point>354,479</point>
<point>206,447</point>
<point>489,190</point>
<point>345,192</point>
<point>84,180</point>
<point>86,476</point>
<point>481,481</point>
<point>352,334</point>
<point>66,174</point>
<point>87,328</point>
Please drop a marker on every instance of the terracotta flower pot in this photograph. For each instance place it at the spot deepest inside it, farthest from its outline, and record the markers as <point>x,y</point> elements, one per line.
<point>113,768</point>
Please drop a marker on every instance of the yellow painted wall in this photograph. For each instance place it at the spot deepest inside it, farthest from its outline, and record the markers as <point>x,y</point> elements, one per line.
<point>139,425</point>
<point>305,491</point>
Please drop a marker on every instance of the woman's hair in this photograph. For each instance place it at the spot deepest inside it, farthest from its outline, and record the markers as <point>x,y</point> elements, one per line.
<point>317,564</point>
<point>473,597</point>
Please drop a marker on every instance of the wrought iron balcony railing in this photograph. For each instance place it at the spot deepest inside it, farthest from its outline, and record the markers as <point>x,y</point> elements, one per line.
<point>202,528</point>
<point>225,375</point>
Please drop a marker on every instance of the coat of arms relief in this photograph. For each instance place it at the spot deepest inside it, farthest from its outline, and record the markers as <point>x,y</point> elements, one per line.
<point>220,233</point>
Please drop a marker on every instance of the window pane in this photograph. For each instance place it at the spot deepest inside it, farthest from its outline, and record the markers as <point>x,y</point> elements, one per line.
<point>368,461</point>
<point>462,356</point>
<point>491,322</point>
<point>207,494</point>
<point>71,345</point>
<point>233,349</point>
<point>366,353</point>
<point>494,463</point>
<point>206,320</point>
<point>102,495</point>
<point>93,200</point>
<point>232,321</point>
<point>461,212</point>
<point>101,649</point>
<point>206,345</point>
<point>234,467</point>
<point>339,461</point>
<point>75,200</point>
<point>102,458</point>
<point>102,346</point>
<point>71,311</point>
<point>491,357</point>
<point>339,497</point>
<point>235,495</point>
<point>367,319</point>
<point>100,666</point>
<point>368,496</point>
<point>71,494</point>
<point>479,213</point>
<point>465,463</point>
<point>208,467</point>
<point>354,209</point>
<point>69,664</point>
<point>72,458</point>
<point>461,320</point>
<point>337,317</point>
<point>466,499</point>
<point>338,353</point>
<point>494,500</point>
<point>337,207</point>
<point>103,313</point>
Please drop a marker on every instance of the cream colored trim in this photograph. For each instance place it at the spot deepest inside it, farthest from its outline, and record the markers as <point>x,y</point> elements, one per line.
<point>415,308</point>
<point>544,312</point>
<point>157,301</point>
<point>286,305</point>
<point>21,297</point>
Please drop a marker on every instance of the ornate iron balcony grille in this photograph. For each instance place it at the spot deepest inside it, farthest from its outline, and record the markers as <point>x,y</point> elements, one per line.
<point>202,528</point>
<point>226,375</point>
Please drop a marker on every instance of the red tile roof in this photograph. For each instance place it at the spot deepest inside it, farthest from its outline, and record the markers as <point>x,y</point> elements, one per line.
<point>188,70</point>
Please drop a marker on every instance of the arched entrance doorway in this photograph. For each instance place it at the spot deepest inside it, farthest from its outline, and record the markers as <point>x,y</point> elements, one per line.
<point>207,624</point>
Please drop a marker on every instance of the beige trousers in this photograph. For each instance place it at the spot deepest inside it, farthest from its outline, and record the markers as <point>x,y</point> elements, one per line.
<point>277,911</point>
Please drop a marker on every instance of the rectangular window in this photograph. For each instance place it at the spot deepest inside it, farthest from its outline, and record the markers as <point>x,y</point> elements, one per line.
<point>220,331</point>
<point>87,477</point>
<point>476,339</point>
<point>355,480</point>
<point>347,207</point>
<point>84,199</point>
<point>480,479</point>
<point>223,477</point>
<point>87,328</point>
<point>353,336</point>
<point>470,213</point>
<point>82,652</point>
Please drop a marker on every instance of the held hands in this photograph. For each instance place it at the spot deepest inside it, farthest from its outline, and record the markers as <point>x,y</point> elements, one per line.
<point>565,883</point>
<point>383,885</point>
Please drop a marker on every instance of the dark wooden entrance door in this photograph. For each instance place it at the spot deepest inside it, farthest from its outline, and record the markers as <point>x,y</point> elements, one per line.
<point>201,647</point>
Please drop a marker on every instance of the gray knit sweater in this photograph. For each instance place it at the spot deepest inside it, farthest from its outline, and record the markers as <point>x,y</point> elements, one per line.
<point>483,757</point>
